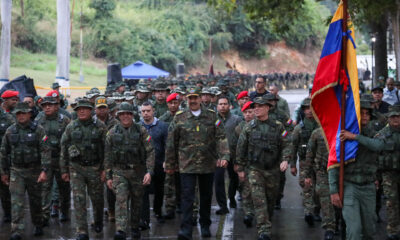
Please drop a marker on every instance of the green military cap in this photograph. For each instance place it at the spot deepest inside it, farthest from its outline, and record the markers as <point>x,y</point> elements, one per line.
<point>261,100</point>
<point>125,107</point>
<point>271,97</point>
<point>306,102</point>
<point>129,95</point>
<point>118,96</point>
<point>194,92</point>
<point>222,82</point>
<point>111,104</point>
<point>394,110</point>
<point>83,103</point>
<point>367,97</point>
<point>215,91</point>
<point>36,98</point>
<point>100,102</point>
<point>205,90</point>
<point>55,85</point>
<point>365,104</point>
<point>160,86</point>
<point>179,90</point>
<point>48,100</point>
<point>22,107</point>
<point>142,88</point>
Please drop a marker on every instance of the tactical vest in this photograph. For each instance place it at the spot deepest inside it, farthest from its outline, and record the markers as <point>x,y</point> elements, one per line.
<point>304,135</point>
<point>390,157</point>
<point>4,124</point>
<point>24,146</point>
<point>86,144</point>
<point>54,132</point>
<point>128,150</point>
<point>263,148</point>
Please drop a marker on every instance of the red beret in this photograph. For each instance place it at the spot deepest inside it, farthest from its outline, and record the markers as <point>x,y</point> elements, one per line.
<point>53,93</point>
<point>173,96</point>
<point>246,106</point>
<point>10,94</point>
<point>242,94</point>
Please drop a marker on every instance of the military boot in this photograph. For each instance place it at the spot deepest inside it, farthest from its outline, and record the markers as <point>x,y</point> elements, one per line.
<point>248,221</point>
<point>82,237</point>
<point>309,219</point>
<point>38,231</point>
<point>263,236</point>
<point>135,233</point>
<point>120,235</point>
<point>15,236</point>
<point>205,232</point>
<point>98,227</point>
<point>63,217</point>
<point>232,203</point>
<point>170,215</point>
<point>329,235</point>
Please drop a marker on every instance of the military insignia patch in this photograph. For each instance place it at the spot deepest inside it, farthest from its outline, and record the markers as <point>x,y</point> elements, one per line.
<point>284,133</point>
<point>217,123</point>
<point>44,139</point>
<point>148,138</point>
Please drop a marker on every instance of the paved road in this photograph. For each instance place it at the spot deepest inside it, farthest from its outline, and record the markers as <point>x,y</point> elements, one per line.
<point>288,222</point>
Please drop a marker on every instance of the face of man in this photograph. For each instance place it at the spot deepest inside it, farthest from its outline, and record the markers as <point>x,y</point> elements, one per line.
<point>248,114</point>
<point>243,100</point>
<point>126,119</point>
<point>173,105</point>
<point>214,98</point>
<point>121,89</point>
<point>10,103</point>
<point>30,101</point>
<point>49,108</point>
<point>260,84</point>
<point>101,112</point>
<point>365,116</point>
<point>377,95</point>
<point>194,102</point>
<point>84,113</point>
<point>261,110</point>
<point>141,95</point>
<point>274,90</point>
<point>390,84</point>
<point>206,98</point>
<point>223,106</point>
<point>308,113</point>
<point>23,118</point>
<point>273,103</point>
<point>394,121</point>
<point>160,95</point>
<point>147,113</point>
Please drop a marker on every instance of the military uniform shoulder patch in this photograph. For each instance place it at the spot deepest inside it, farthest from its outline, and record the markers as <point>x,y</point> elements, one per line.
<point>44,139</point>
<point>289,122</point>
<point>148,139</point>
<point>179,112</point>
<point>284,133</point>
<point>211,110</point>
<point>217,123</point>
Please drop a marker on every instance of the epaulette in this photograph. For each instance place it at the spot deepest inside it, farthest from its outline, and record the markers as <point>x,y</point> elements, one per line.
<point>179,112</point>
<point>211,110</point>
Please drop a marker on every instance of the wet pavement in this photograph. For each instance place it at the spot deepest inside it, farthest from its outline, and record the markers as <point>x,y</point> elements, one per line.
<point>288,222</point>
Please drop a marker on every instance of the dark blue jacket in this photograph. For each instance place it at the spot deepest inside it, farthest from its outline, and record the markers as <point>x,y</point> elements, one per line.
<point>158,131</point>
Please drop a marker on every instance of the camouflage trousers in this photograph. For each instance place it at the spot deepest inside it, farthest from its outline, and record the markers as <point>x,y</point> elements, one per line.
<point>54,175</point>
<point>21,180</point>
<point>264,188</point>
<point>328,211</point>
<point>5,199</point>
<point>391,190</point>
<point>310,198</point>
<point>127,184</point>
<point>86,178</point>
<point>281,188</point>
<point>247,201</point>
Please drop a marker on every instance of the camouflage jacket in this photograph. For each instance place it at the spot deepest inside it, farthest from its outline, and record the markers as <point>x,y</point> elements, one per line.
<point>277,114</point>
<point>128,148</point>
<point>83,144</point>
<point>283,105</point>
<point>24,146</point>
<point>167,117</point>
<point>262,145</point>
<point>6,120</point>
<point>317,154</point>
<point>160,109</point>
<point>110,121</point>
<point>300,136</point>
<point>230,122</point>
<point>196,143</point>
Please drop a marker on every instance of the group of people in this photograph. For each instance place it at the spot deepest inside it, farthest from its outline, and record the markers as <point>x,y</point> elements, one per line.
<point>176,141</point>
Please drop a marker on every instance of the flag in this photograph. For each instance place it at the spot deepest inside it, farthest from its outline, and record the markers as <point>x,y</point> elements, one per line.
<point>326,92</point>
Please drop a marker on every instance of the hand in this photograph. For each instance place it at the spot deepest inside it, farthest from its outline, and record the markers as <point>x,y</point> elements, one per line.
<point>222,163</point>
<point>42,177</point>
<point>376,184</point>
<point>103,176</point>
<point>293,171</point>
<point>335,200</point>
<point>307,182</point>
<point>242,176</point>
<point>346,135</point>
<point>169,171</point>
<point>147,179</point>
<point>284,166</point>
<point>110,184</point>
<point>65,177</point>
<point>5,180</point>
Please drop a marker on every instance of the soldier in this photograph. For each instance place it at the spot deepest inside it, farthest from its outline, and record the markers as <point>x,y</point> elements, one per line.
<point>129,164</point>
<point>301,135</point>
<point>244,184</point>
<point>11,98</point>
<point>242,98</point>
<point>63,99</point>
<point>25,159</point>
<point>260,85</point>
<point>6,120</point>
<point>317,163</point>
<point>282,103</point>
<point>197,144</point>
<point>206,99</point>
<point>380,105</point>
<point>54,124</point>
<point>82,156</point>
<point>160,92</point>
<point>55,95</point>
<point>264,149</point>
<point>386,142</point>
<point>359,184</point>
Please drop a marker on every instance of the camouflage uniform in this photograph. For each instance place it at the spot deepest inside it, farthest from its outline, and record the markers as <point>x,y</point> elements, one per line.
<point>301,135</point>
<point>160,109</point>
<point>82,155</point>
<point>128,156</point>
<point>194,144</point>
<point>5,121</point>
<point>261,147</point>
<point>54,127</point>
<point>317,161</point>
<point>283,105</point>
<point>24,154</point>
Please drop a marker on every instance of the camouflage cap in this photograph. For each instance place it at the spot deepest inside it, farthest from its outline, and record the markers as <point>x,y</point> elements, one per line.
<point>83,103</point>
<point>22,107</point>
<point>160,86</point>
<point>129,95</point>
<point>111,104</point>
<point>142,88</point>
<point>205,90</point>
<point>306,102</point>
<point>271,97</point>
<point>367,97</point>
<point>222,82</point>
<point>55,85</point>
<point>365,104</point>
<point>261,100</point>
<point>125,107</point>
<point>100,102</point>
<point>48,100</point>
<point>394,110</point>
<point>118,96</point>
<point>194,92</point>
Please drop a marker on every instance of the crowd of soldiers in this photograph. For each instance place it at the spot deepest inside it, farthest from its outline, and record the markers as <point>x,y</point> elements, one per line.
<point>176,140</point>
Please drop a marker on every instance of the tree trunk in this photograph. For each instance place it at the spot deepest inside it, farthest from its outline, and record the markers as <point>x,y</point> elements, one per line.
<point>21,2</point>
<point>379,29</point>
<point>395,20</point>
<point>63,43</point>
<point>5,41</point>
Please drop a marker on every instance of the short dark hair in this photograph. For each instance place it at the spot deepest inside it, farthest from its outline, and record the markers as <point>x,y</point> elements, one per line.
<point>224,97</point>
<point>262,77</point>
<point>147,103</point>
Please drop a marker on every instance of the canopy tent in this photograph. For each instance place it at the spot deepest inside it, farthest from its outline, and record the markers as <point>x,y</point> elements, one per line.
<point>140,69</point>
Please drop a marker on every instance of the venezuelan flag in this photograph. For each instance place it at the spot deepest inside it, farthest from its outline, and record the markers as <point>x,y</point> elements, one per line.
<point>326,92</point>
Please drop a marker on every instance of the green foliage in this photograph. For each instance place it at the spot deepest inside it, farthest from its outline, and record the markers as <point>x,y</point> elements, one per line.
<point>104,8</point>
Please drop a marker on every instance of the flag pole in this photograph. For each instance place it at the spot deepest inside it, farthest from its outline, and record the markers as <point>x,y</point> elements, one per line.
<point>343,105</point>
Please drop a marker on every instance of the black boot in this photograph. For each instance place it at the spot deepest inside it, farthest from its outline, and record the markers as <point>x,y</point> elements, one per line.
<point>82,237</point>
<point>120,235</point>
<point>15,236</point>
<point>329,235</point>
<point>278,204</point>
<point>205,232</point>
<point>135,233</point>
<point>63,217</point>
<point>98,227</point>
<point>194,221</point>
<point>248,221</point>
<point>309,219</point>
<point>38,231</point>
<point>232,203</point>
<point>222,211</point>
<point>170,215</point>
<point>263,236</point>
